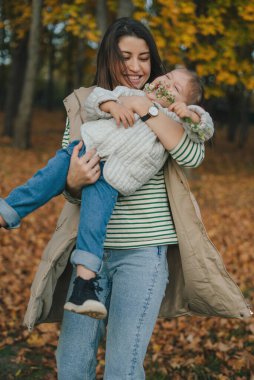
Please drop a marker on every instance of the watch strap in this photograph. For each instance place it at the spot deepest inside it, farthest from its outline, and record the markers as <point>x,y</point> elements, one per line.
<point>145,117</point>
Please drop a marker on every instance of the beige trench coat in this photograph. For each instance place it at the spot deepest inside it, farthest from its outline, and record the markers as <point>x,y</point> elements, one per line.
<point>199,283</point>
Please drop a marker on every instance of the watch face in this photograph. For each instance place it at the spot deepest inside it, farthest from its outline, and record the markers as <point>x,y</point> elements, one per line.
<point>153,111</point>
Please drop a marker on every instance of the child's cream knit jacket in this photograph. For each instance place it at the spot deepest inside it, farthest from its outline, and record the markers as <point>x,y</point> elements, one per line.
<point>133,155</point>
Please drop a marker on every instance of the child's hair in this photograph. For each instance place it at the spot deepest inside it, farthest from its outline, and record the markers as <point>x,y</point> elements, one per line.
<point>196,89</point>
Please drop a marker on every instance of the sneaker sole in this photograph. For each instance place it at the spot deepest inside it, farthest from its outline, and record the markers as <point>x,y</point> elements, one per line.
<point>92,309</point>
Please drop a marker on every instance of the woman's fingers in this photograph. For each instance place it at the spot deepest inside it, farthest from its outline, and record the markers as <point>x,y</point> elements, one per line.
<point>92,160</point>
<point>76,150</point>
<point>89,155</point>
<point>96,171</point>
<point>83,170</point>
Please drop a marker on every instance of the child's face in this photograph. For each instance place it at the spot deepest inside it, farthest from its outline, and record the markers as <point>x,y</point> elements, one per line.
<point>176,83</point>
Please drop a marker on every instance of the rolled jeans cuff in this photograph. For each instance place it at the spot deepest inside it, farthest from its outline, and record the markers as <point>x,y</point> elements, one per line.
<point>10,216</point>
<point>87,259</point>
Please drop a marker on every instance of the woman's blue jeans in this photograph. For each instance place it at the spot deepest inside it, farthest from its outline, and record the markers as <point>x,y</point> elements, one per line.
<point>133,282</point>
<point>97,204</point>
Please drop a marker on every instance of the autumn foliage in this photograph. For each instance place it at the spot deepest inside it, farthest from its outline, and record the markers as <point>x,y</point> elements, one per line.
<point>213,37</point>
<point>183,348</point>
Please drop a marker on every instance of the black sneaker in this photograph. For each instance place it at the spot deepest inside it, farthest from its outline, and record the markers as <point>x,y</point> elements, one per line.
<point>84,299</point>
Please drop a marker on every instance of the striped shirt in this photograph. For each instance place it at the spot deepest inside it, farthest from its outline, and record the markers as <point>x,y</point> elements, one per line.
<point>144,218</point>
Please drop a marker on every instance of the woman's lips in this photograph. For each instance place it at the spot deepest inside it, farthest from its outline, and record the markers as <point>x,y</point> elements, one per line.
<point>134,79</point>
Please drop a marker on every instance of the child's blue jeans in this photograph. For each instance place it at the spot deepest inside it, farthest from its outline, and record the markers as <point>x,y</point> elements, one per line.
<point>97,204</point>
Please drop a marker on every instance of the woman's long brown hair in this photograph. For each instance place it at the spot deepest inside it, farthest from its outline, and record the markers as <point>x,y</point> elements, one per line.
<point>109,56</point>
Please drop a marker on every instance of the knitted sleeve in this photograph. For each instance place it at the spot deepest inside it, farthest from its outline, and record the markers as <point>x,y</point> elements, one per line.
<point>198,132</point>
<point>100,95</point>
<point>92,104</point>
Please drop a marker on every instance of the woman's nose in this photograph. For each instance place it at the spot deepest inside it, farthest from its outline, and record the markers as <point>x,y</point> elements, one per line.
<point>133,65</point>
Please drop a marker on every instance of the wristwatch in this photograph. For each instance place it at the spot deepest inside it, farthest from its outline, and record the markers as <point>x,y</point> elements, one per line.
<point>153,111</point>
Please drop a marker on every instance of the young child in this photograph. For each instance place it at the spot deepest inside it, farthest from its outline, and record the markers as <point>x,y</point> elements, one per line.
<point>124,170</point>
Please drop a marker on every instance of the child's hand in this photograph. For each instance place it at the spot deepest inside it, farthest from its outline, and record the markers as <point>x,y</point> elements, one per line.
<point>2,222</point>
<point>181,109</point>
<point>119,112</point>
<point>160,93</point>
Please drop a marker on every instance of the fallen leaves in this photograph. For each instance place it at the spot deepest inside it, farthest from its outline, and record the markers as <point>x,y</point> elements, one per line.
<point>183,348</point>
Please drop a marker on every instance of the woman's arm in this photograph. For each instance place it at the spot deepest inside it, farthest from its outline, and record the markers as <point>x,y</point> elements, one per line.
<point>188,153</point>
<point>168,131</point>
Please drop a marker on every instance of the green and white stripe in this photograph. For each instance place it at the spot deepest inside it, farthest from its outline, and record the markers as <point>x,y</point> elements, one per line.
<point>144,218</point>
<point>66,135</point>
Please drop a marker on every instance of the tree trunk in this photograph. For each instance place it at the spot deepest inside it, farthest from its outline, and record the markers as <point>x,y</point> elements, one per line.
<point>80,63</point>
<point>14,85</point>
<point>102,16</point>
<point>233,116</point>
<point>125,8</point>
<point>244,119</point>
<point>51,66</point>
<point>2,55</point>
<point>69,86</point>
<point>23,121</point>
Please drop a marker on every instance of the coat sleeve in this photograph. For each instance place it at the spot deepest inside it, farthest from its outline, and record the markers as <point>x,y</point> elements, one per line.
<point>92,104</point>
<point>197,132</point>
<point>100,95</point>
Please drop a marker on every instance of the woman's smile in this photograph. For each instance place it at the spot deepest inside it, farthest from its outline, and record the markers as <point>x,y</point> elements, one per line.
<point>136,56</point>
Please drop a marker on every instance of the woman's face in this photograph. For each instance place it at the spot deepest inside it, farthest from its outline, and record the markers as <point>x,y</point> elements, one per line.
<point>136,55</point>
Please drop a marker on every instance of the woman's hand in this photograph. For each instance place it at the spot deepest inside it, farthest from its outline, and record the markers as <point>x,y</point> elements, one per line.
<point>167,130</point>
<point>83,170</point>
<point>137,104</point>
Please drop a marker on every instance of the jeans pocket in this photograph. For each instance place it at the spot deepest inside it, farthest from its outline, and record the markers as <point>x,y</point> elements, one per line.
<point>162,254</point>
<point>162,250</point>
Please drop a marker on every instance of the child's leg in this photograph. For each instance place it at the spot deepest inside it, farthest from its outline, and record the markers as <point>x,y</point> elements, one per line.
<point>2,222</point>
<point>38,190</point>
<point>97,204</point>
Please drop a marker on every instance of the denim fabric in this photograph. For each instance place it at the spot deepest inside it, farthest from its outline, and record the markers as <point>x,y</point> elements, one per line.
<point>97,204</point>
<point>134,283</point>
<point>10,216</point>
<point>98,201</point>
<point>47,183</point>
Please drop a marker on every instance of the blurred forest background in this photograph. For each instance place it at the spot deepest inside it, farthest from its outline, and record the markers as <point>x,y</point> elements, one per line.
<point>47,49</point>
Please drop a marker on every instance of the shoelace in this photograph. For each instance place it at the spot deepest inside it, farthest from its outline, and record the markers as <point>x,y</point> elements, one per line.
<point>96,285</point>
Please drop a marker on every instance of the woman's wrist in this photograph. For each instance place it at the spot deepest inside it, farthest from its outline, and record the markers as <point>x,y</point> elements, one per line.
<point>141,105</point>
<point>74,192</point>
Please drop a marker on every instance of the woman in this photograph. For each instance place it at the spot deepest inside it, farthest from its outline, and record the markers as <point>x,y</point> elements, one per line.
<point>135,271</point>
